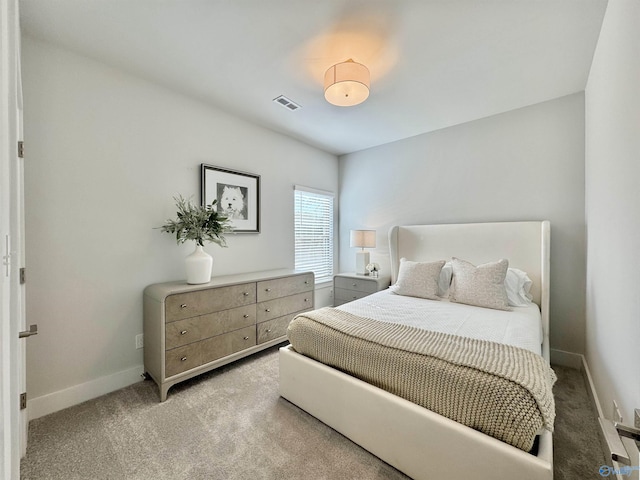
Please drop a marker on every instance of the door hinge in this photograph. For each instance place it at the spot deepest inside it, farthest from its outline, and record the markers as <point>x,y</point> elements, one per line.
<point>23,400</point>
<point>23,276</point>
<point>20,149</point>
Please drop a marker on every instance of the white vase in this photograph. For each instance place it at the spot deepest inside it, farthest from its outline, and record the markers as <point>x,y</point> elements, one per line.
<point>199,265</point>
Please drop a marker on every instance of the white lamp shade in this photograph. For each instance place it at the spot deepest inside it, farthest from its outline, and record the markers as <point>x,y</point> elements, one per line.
<point>346,84</point>
<point>363,238</point>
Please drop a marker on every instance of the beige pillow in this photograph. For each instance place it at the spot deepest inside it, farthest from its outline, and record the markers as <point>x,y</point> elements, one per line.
<point>482,286</point>
<point>418,279</point>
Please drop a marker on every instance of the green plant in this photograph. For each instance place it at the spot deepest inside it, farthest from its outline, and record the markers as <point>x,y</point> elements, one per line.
<point>199,223</point>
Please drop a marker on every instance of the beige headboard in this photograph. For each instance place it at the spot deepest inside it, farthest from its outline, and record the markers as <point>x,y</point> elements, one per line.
<point>524,244</point>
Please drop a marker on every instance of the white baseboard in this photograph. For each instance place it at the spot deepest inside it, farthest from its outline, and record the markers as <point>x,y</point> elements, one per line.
<point>566,359</point>
<point>591,388</point>
<point>52,402</point>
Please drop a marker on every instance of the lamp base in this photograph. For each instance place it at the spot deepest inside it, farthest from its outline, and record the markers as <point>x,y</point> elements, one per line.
<point>362,260</point>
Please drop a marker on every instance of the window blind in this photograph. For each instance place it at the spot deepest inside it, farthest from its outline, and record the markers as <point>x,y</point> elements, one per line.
<point>314,232</point>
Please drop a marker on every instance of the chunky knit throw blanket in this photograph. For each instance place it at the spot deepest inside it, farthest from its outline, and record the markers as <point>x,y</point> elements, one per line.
<point>500,390</point>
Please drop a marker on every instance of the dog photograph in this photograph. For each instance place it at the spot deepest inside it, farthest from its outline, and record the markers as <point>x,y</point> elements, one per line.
<point>232,201</point>
<point>237,196</point>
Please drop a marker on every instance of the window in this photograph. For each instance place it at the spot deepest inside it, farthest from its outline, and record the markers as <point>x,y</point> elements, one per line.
<point>314,232</point>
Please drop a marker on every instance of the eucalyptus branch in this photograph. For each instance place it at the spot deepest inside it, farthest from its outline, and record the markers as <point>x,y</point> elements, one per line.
<point>198,223</point>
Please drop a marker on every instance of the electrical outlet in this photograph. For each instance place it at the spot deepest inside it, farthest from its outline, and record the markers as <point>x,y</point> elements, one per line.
<point>617,416</point>
<point>140,341</point>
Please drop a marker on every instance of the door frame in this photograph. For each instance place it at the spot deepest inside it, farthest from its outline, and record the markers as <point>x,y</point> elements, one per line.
<point>13,420</point>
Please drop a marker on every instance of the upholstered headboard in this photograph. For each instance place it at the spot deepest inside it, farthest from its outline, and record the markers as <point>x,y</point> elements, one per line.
<point>524,244</point>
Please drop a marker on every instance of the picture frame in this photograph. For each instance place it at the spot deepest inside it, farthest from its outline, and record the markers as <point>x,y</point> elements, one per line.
<point>237,195</point>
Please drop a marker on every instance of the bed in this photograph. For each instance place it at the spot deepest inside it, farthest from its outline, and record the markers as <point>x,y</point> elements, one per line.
<point>417,441</point>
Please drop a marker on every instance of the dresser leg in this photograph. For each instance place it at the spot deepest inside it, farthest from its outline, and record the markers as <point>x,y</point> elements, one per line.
<point>163,392</point>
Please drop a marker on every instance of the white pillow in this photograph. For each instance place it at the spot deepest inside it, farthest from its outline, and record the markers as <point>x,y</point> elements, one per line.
<point>418,279</point>
<point>482,286</point>
<point>518,284</point>
<point>444,280</point>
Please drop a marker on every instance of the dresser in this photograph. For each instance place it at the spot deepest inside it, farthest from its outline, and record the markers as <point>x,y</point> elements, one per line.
<point>350,286</point>
<point>191,329</point>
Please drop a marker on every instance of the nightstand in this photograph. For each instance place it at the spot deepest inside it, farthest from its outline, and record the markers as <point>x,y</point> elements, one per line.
<point>350,286</point>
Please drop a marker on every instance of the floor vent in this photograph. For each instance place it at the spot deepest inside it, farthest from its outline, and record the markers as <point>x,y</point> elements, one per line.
<point>286,103</point>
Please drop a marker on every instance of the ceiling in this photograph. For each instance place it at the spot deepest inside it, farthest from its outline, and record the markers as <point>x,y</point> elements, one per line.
<point>433,63</point>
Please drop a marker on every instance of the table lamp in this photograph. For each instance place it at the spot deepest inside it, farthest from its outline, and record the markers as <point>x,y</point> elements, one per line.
<point>363,239</point>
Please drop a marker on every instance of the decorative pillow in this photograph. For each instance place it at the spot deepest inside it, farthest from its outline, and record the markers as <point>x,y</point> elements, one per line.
<point>518,284</point>
<point>482,286</point>
<point>444,280</point>
<point>416,279</point>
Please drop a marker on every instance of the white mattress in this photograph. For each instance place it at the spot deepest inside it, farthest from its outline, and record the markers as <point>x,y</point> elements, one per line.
<point>521,327</point>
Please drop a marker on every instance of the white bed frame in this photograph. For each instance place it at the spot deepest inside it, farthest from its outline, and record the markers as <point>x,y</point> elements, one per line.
<point>417,441</point>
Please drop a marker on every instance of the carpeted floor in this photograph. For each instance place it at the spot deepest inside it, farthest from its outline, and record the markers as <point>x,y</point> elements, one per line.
<point>577,449</point>
<point>231,424</point>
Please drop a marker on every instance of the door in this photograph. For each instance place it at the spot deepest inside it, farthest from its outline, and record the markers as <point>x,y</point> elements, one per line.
<point>13,420</point>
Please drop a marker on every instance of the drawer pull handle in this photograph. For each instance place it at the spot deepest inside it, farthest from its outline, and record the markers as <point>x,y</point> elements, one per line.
<point>267,289</point>
<point>246,294</point>
<point>246,316</point>
<point>268,330</point>
<point>184,305</point>
<point>246,338</point>
<point>306,299</point>
<point>183,359</point>
<point>183,332</point>
<point>267,310</point>
<point>354,284</point>
<point>306,282</point>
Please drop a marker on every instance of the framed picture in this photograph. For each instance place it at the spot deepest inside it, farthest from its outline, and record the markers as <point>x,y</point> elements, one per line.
<point>237,195</point>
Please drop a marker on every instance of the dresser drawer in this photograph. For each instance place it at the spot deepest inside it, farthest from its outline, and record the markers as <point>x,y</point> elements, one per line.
<point>342,295</point>
<point>195,354</point>
<point>283,287</point>
<point>282,306</point>
<point>193,329</point>
<point>273,328</point>
<point>201,302</point>
<point>367,286</point>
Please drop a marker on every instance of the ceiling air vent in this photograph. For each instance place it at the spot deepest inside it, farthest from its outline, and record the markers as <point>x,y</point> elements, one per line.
<point>286,103</point>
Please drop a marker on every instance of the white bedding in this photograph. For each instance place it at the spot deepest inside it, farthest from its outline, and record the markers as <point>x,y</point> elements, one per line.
<point>521,327</point>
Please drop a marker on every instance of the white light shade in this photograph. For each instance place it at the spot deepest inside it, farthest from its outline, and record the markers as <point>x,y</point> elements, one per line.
<point>363,238</point>
<point>346,84</point>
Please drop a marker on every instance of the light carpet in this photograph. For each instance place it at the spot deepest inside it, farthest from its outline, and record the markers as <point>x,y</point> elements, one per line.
<point>232,424</point>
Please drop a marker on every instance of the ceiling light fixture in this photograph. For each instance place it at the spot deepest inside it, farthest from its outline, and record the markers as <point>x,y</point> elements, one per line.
<point>346,84</point>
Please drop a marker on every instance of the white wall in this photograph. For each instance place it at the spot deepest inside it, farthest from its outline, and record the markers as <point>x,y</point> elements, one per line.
<point>527,164</point>
<point>106,152</point>
<point>613,210</point>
